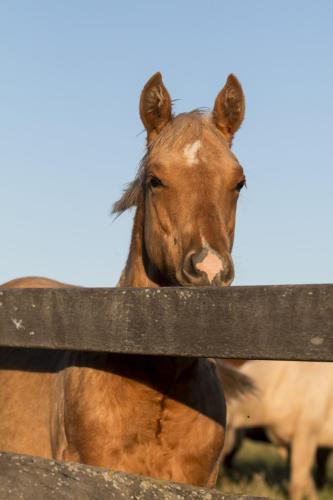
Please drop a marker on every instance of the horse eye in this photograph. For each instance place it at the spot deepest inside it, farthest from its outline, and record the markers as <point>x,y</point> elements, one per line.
<point>240,185</point>
<point>155,182</point>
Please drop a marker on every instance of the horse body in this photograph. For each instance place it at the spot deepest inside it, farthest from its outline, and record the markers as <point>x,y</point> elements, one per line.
<point>294,404</point>
<point>112,411</point>
<point>161,417</point>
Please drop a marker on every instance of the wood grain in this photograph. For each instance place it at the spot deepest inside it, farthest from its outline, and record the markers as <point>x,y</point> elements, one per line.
<point>263,322</point>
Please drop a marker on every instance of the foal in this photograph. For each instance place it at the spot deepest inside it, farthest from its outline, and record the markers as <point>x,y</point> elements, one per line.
<point>159,416</point>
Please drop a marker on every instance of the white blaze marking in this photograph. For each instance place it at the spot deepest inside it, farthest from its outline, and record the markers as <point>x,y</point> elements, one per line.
<point>211,265</point>
<point>191,152</point>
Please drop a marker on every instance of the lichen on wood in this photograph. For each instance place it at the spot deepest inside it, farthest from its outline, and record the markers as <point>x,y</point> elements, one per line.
<point>24,477</point>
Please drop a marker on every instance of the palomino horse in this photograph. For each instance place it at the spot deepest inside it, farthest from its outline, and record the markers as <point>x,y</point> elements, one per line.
<point>161,417</point>
<point>293,402</point>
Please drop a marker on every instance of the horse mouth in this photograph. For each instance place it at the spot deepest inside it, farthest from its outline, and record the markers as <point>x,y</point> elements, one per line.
<point>217,284</point>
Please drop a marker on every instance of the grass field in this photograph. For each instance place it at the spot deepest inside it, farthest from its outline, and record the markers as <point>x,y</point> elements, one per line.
<point>260,471</point>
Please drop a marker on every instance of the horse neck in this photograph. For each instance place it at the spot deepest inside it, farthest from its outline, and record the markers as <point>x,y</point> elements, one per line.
<point>135,273</point>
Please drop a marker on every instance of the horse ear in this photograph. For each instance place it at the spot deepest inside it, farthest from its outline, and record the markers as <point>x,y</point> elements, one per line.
<point>229,108</point>
<point>155,106</point>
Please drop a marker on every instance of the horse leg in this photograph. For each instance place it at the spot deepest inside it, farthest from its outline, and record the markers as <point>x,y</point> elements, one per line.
<point>211,483</point>
<point>232,445</point>
<point>321,460</point>
<point>303,451</point>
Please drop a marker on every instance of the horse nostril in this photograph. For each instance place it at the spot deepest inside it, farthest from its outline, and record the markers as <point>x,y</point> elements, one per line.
<point>189,265</point>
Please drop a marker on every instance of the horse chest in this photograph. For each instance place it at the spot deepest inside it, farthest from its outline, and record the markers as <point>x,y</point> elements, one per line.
<point>126,424</point>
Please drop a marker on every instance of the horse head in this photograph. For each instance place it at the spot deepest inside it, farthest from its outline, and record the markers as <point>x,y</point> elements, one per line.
<point>187,187</point>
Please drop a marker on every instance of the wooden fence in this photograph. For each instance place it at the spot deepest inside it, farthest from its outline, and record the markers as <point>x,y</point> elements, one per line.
<point>262,322</point>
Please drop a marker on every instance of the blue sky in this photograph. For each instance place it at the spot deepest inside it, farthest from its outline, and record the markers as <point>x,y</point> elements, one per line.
<point>70,133</point>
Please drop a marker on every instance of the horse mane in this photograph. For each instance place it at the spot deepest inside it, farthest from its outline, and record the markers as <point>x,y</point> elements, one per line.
<point>184,127</point>
<point>131,192</point>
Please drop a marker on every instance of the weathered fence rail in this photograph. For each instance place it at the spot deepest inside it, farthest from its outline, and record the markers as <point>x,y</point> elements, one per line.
<point>25,477</point>
<point>261,322</point>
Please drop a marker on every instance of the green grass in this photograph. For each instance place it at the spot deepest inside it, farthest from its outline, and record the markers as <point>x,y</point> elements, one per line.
<point>258,470</point>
